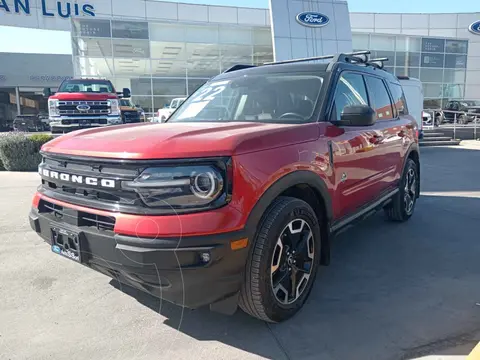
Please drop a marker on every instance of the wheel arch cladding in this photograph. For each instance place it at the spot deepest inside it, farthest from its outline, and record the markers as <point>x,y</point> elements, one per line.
<point>304,185</point>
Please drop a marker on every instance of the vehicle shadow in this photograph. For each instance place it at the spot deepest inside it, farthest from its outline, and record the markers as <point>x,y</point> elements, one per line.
<point>392,291</point>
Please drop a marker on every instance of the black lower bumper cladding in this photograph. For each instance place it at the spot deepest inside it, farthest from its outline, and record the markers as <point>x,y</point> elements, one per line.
<point>189,271</point>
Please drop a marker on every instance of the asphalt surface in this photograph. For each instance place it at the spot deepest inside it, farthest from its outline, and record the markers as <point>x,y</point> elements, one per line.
<point>393,291</point>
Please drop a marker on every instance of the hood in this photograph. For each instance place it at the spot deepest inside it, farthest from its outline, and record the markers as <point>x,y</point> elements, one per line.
<point>180,140</point>
<point>83,96</point>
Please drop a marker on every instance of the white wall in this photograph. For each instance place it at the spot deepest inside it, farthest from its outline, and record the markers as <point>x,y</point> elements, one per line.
<point>293,40</point>
<point>442,25</point>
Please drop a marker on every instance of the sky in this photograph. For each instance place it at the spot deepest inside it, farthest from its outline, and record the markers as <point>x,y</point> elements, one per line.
<point>382,6</point>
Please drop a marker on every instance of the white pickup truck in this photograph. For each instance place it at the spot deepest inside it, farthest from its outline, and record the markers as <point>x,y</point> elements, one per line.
<point>164,114</point>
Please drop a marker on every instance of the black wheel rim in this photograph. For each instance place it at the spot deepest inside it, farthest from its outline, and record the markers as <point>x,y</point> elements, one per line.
<point>292,261</point>
<point>410,191</point>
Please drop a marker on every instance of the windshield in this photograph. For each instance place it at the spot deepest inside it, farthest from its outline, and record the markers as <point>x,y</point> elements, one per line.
<point>95,86</point>
<point>257,98</point>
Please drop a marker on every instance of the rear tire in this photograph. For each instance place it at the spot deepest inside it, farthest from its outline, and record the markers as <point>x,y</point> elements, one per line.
<point>439,120</point>
<point>403,203</point>
<point>285,255</point>
<point>463,120</point>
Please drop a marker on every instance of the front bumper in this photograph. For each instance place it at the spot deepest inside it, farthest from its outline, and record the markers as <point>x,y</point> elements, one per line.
<point>174,269</point>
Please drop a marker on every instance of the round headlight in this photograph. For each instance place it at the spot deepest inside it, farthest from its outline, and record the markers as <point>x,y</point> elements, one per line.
<point>206,185</point>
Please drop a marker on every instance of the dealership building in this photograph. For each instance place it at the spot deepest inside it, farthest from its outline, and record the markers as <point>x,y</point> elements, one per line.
<point>163,50</point>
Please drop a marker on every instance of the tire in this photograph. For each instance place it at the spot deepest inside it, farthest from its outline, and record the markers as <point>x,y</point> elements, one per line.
<point>439,120</point>
<point>398,210</point>
<point>257,296</point>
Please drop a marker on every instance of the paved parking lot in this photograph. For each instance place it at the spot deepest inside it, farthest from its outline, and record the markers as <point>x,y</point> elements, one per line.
<point>393,291</point>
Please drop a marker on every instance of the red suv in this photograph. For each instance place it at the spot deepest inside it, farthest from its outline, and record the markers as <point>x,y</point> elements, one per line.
<point>235,199</point>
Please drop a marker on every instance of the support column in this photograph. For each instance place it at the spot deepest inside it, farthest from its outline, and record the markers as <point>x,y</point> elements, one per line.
<point>307,28</point>
<point>17,95</point>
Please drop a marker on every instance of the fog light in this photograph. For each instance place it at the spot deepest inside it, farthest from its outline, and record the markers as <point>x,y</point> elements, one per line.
<point>205,257</point>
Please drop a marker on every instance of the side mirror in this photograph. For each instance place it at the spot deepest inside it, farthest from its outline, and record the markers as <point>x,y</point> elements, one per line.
<point>358,115</point>
<point>47,92</point>
<point>126,92</point>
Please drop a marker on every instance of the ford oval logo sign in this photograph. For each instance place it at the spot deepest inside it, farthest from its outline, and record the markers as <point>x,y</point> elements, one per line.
<point>83,107</point>
<point>475,28</point>
<point>312,19</point>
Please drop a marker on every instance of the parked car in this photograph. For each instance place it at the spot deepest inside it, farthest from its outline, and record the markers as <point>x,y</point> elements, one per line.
<point>465,110</point>
<point>84,103</point>
<point>44,118</point>
<point>234,203</point>
<point>28,123</point>
<point>130,113</point>
<point>164,114</point>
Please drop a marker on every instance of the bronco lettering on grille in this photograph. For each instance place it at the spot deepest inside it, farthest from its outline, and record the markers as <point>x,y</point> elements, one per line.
<point>78,179</point>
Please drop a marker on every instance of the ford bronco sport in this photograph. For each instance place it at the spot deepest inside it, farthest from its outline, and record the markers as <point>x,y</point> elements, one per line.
<point>234,200</point>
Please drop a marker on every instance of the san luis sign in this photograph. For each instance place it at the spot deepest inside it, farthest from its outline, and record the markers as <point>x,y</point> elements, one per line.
<point>63,9</point>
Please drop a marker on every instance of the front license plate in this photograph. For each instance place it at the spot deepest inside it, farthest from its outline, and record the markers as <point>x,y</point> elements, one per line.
<point>66,243</point>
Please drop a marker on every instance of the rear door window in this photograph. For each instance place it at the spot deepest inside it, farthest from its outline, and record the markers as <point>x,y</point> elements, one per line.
<point>381,102</point>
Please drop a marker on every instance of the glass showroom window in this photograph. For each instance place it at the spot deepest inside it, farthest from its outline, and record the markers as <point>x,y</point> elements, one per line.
<point>382,42</point>
<point>8,108</point>
<point>94,67</point>
<point>360,41</point>
<point>439,63</point>
<point>262,46</point>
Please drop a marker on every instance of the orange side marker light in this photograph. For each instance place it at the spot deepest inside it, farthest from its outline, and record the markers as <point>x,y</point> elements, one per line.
<point>239,244</point>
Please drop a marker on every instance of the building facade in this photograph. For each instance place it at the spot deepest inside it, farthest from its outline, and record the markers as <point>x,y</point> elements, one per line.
<point>163,50</point>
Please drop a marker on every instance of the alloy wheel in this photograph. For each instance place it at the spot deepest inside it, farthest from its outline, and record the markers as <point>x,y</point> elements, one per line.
<point>292,261</point>
<point>410,191</point>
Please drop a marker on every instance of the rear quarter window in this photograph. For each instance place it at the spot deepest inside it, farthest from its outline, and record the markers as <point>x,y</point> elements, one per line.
<point>399,101</point>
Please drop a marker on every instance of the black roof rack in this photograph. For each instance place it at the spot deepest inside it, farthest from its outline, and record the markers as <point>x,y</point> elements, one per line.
<point>356,57</point>
<point>324,57</point>
<point>238,67</point>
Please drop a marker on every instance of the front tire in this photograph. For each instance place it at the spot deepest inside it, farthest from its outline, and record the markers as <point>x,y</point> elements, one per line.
<point>285,255</point>
<point>403,203</point>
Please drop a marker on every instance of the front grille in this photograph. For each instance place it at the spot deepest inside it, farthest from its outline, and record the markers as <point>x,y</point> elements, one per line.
<point>76,218</point>
<point>96,108</point>
<point>111,199</point>
<point>88,112</point>
<point>130,116</point>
